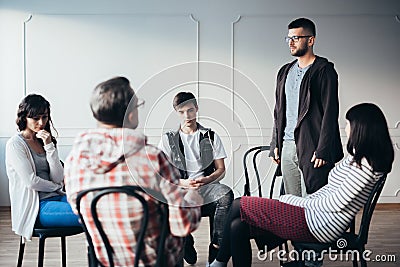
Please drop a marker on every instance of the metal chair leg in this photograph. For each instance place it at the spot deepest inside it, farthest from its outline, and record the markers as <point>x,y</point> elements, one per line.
<point>211,221</point>
<point>63,252</point>
<point>42,240</point>
<point>355,264</point>
<point>92,260</point>
<point>21,252</point>
<point>362,259</point>
<point>280,260</point>
<point>363,262</point>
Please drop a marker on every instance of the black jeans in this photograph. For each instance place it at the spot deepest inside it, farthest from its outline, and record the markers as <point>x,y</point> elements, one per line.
<point>221,196</point>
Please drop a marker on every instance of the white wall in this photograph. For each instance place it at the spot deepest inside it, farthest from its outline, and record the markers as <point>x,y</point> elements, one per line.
<point>62,49</point>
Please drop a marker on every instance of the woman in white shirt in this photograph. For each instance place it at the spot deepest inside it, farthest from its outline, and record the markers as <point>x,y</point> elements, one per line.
<point>324,215</point>
<point>35,172</point>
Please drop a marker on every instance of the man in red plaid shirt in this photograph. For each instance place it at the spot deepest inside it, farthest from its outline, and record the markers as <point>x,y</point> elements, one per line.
<point>115,154</point>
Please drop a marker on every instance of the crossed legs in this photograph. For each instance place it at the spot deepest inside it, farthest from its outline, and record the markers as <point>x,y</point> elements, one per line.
<point>269,221</point>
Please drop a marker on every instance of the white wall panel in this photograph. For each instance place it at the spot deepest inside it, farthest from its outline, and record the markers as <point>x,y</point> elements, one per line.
<point>67,55</point>
<point>226,53</point>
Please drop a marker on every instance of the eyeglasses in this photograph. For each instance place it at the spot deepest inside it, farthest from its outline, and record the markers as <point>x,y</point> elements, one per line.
<point>140,103</point>
<point>296,38</point>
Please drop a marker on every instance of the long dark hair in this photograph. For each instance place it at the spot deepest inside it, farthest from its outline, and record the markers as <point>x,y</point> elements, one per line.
<point>369,137</point>
<point>31,106</point>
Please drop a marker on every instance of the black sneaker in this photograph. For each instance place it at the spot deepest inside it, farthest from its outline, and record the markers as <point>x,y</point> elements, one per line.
<point>212,253</point>
<point>190,254</point>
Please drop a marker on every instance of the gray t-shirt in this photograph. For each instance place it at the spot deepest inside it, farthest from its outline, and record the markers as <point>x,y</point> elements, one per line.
<point>292,89</point>
<point>42,170</point>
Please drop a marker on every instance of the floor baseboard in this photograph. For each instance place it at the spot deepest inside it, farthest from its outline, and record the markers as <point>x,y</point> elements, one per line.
<point>387,206</point>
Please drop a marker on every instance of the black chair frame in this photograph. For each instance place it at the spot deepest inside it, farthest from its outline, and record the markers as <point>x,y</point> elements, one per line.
<point>256,152</point>
<point>133,192</point>
<point>45,232</point>
<point>354,241</point>
<point>42,234</point>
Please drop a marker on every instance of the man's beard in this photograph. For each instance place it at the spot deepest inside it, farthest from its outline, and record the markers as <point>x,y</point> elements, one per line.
<point>300,51</point>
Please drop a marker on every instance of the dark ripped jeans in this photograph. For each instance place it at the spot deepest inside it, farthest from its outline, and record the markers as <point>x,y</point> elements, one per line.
<point>219,196</point>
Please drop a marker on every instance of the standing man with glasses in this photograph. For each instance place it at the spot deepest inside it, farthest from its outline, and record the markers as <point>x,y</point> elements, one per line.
<point>305,139</point>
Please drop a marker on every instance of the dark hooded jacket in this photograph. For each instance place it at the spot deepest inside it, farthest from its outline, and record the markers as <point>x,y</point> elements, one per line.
<point>317,128</point>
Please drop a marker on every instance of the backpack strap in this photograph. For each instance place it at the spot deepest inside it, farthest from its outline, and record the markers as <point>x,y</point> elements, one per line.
<point>211,135</point>
<point>177,153</point>
<point>207,151</point>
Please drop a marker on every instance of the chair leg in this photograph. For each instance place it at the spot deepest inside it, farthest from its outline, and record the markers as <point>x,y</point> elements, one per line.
<point>280,260</point>
<point>92,260</point>
<point>211,221</point>
<point>355,263</point>
<point>63,252</point>
<point>21,252</point>
<point>300,262</point>
<point>42,240</point>
<point>362,260</point>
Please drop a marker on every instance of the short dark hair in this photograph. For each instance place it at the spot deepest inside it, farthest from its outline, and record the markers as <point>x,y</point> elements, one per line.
<point>304,23</point>
<point>110,100</point>
<point>369,137</point>
<point>31,106</point>
<point>183,98</point>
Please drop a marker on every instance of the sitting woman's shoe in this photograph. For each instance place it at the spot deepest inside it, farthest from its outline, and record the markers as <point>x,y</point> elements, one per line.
<point>216,263</point>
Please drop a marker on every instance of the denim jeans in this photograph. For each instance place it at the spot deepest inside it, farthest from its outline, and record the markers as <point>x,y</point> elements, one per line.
<point>291,174</point>
<point>56,212</point>
<point>222,195</point>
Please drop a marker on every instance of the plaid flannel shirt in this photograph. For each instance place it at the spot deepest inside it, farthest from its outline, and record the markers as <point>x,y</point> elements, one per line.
<point>120,215</point>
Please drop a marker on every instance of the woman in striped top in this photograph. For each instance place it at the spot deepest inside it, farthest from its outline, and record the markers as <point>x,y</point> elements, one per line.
<point>324,215</point>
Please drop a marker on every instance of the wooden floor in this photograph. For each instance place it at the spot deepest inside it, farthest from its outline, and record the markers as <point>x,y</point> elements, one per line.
<point>384,240</point>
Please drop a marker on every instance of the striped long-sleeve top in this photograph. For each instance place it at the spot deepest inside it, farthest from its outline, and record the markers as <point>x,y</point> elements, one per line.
<point>145,166</point>
<point>330,210</point>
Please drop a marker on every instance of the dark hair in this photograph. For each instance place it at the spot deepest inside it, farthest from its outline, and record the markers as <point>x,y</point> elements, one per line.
<point>304,23</point>
<point>110,100</point>
<point>184,98</point>
<point>369,137</point>
<point>31,106</point>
